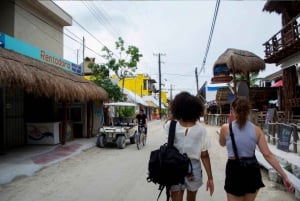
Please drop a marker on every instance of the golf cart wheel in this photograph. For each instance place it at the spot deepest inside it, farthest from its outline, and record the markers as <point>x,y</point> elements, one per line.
<point>132,138</point>
<point>121,143</point>
<point>100,141</point>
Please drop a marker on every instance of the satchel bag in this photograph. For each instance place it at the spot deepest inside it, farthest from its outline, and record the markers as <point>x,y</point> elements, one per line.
<point>249,162</point>
<point>167,166</point>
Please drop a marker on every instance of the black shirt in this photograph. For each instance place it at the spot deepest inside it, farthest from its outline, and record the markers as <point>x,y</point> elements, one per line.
<point>141,118</point>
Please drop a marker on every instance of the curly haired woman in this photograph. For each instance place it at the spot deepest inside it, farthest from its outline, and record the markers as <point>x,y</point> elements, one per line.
<point>190,138</point>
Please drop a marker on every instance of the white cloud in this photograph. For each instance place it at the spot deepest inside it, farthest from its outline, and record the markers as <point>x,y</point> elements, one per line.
<point>180,29</point>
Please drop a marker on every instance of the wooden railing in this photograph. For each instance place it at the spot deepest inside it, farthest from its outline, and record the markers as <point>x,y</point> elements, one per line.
<point>283,40</point>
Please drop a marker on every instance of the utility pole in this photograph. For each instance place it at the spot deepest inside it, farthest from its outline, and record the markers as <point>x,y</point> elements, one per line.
<point>77,51</point>
<point>171,92</point>
<point>83,47</point>
<point>196,74</point>
<point>159,80</point>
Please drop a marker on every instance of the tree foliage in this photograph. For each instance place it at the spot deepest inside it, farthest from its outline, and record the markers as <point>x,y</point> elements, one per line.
<point>253,78</point>
<point>122,64</point>
<point>125,61</point>
<point>101,78</point>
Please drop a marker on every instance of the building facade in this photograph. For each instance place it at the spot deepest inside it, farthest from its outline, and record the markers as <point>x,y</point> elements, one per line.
<point>142,85</point>
<point>42,96</point>
<point>283,49</point>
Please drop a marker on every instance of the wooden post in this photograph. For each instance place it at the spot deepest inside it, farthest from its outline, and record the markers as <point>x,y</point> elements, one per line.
<point>295,137</point>
<point>64,123</point>
<point>89,119</point>
<point>234,84</point>
<point>275,127</point>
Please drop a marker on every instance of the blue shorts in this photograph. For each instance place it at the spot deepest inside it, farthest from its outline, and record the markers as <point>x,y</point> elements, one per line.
<point>191,183</point>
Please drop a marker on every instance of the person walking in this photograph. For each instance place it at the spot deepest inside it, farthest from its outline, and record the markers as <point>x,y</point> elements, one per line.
<point>243,183</point>
<point>190,138</point>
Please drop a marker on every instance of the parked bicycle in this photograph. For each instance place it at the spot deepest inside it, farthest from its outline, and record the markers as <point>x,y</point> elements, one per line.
<point>141,136</point>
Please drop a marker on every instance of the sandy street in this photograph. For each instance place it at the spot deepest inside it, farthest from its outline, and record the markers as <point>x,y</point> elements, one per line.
<point>111,174</point>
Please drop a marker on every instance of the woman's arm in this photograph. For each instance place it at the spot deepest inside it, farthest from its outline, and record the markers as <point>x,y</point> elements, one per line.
<point>223,132</point>
<point>207,166</point>
<point>269,156</point>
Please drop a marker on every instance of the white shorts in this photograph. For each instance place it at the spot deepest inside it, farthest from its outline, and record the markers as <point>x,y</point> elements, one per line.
<point>191,183</point>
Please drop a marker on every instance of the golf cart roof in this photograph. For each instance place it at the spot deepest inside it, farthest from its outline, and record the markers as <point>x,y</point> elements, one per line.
<point>120,104</point>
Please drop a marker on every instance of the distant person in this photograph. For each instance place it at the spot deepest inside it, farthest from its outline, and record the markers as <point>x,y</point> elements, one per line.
<point>106,115</point>
<point>243,184</point>
<point>190,138</point>
<point>142,120</point>
<point>112,115</point>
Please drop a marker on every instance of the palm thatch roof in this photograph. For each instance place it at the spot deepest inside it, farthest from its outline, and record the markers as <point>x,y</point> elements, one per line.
<point>281,6</point>
<point>240,61</point>
<point>46,80</point>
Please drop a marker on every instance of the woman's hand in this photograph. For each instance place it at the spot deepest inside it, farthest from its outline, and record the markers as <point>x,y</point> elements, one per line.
<point>210,186</point>
<point>288,184</point>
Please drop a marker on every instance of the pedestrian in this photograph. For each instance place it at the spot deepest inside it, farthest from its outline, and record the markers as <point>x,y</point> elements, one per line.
<point>243,184</point>
<point>190,138</point>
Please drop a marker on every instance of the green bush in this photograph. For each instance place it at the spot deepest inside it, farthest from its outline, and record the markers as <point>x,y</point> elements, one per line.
<point>126,111</point>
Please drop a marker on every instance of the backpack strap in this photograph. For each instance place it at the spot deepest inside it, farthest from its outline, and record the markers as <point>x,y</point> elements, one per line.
<point>171,133</point>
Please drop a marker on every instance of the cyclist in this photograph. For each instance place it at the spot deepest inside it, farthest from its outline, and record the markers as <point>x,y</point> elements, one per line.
<point>142,120</point>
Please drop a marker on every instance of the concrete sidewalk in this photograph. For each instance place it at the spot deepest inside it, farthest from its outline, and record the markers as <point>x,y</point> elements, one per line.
<point>25,161</point>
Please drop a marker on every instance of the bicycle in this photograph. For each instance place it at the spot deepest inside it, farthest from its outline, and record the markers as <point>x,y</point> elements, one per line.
<point>140,137</point>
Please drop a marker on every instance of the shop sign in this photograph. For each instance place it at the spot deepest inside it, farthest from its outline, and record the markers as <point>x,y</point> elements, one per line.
<point>29,50</point>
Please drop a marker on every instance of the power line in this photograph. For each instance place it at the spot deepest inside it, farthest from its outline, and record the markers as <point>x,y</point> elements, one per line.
<point>103,17</point>
<point>210,36</point>
<point>78,40</point>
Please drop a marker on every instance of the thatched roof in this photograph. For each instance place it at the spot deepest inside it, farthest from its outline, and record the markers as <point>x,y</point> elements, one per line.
<point>240,61</point>
<point>46,80</point>
<point>279,7</point>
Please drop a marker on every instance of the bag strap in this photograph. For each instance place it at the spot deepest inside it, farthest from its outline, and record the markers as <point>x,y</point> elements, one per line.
<point>233,142</point>
<point>171,135</point>
<point>161,188</point>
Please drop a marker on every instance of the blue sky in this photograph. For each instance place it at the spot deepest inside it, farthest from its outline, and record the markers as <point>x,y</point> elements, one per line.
<point>179,29</point>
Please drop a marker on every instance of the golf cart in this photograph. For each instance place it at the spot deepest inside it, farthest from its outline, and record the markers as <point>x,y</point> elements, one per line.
<point>120,125</point>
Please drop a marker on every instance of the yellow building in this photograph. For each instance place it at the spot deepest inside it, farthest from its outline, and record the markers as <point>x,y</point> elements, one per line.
<point>142,85</point>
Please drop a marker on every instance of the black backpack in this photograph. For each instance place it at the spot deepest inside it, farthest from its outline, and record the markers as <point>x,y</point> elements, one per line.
<point>167,166</point>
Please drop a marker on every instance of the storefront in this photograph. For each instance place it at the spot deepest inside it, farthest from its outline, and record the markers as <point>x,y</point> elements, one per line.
<point>33,91</point>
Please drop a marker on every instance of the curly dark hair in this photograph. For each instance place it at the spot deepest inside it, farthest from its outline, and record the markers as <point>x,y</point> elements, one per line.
<point>186,107</point>
<point>242,108</point>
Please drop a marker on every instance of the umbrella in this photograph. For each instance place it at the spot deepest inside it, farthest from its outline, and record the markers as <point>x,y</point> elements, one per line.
<point>240,61</point>
<point>278,84</point>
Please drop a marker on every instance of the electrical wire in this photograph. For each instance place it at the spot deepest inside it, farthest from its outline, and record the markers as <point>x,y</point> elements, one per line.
<point>102,17</point>
<point>210,36</point>
<point>78,40</point>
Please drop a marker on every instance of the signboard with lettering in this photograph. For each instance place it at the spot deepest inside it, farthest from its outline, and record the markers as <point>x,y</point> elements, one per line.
<point>284,137</point>
<point>271,115</point>
<point>29,50</point>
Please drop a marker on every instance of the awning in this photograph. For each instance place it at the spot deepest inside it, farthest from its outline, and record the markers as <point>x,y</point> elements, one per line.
<point>278,84</point>
<point>151,104</point>
<point>134,97</point>
<point>277,74</point>
<point>45,80</point>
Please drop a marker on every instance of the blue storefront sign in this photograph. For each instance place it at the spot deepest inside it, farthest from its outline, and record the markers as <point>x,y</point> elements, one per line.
<point>29,50</point>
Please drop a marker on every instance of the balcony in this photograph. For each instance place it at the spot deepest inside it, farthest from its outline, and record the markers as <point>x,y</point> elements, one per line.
<point>284,43</point>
